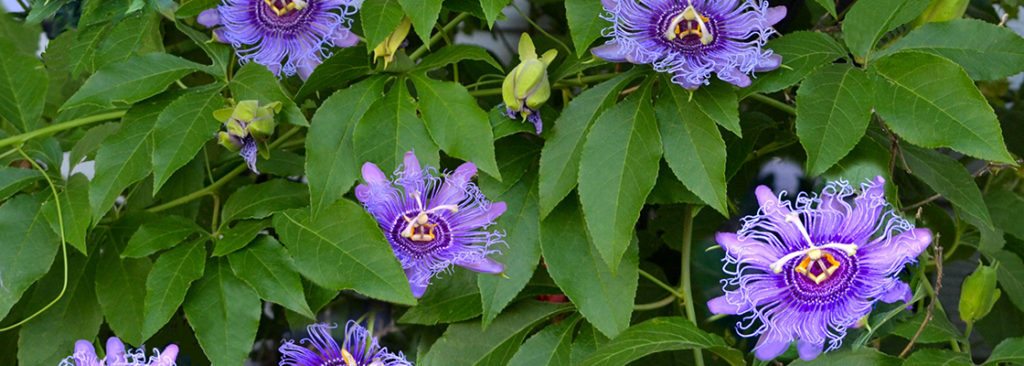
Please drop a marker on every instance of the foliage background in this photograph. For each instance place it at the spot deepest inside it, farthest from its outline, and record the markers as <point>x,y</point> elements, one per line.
<point>170,239</point>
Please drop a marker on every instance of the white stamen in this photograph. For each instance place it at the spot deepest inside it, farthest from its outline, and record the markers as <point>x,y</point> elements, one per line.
<point>452,208</point>
<point>794,218</point>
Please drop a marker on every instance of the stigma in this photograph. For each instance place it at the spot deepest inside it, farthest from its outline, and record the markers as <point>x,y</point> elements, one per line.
<point>695,23</point>
<point>419,227</point>
<point>285,9</point>
<point>813,256</point>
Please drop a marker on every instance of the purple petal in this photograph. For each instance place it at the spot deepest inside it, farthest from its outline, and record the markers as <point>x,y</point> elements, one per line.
<point>775,14</point>
<point>748,250</point>
<point>418,281</point>
<point>363,193</point>
<point>209,18</point>
<point>454,188</point>
<point>769,63</point>
<point>168,357</point>
<point>115,351</point>
<point>765,197</point>
<point>249,152</point>
<point>734,76</point>
<point>306,66</point>
<point>220,36</point>
<point>899,292</point>
<point>484,218</point>
<point>483,265</point>
<point>610,52</point>
<point>807,350</point>
<point>767,351</point>
<point>412,175</point>
<point>345,38</point>
<point>721,305</point>
<point>610,5</point>
<point>883,252</point>
<point>85,354</point>
<point>372,174</point>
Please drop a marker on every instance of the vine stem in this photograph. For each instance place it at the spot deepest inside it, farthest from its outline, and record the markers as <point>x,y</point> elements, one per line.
<point>684,280</point>
<point>49,130</point>
<point>661,284</point>
<point>583,81</point>
<point>655,305</point>
<point>437,36</point>
<point>63,243</point>
<point>772,102</point>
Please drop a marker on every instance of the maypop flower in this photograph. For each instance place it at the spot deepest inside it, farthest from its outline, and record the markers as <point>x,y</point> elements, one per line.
<point>431,224</point>
<point>808,272</point>
<point>526,87</point>
<point>85,355</point>
<point>248,124</point>
<point>359,349</point>
<point>692,38</point>
<point>283,35</point>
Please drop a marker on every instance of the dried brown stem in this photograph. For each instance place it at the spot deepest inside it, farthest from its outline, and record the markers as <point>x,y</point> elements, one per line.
<point>935,296</point>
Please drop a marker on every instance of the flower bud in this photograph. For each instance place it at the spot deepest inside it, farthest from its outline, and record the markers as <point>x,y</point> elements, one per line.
<point>247,125</point>
<point>941,11</point>
<point>978,294</point>
<point>232,143</point>
<point>390,46</point>
<point>526,88</point>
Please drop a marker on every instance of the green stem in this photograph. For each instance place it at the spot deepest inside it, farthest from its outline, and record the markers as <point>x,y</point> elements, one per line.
<point>661,284</point>
<point>63,243</point>
<point>655,305</point>
<point>49,130</point>
<point>541,30</point>
<point>437,36</point>
<point>684,280</point>
<point>583,81</point>
<point>967,339</point>
<point>774,103</point>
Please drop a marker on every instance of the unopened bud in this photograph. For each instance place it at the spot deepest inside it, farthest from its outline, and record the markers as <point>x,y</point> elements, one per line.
<point>232,143</point>
<point>527,88</point>
<point>941,11</point>
<point>979,294</point>
<point>390,46</point>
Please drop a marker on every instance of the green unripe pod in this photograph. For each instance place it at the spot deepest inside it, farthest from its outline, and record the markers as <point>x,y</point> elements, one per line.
<point>941,11</point>
<point>979,293</point>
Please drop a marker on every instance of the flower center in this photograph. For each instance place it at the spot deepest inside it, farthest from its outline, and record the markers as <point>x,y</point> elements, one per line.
<point>816,264</point>
<point>420,233</point>
<point>282,7</point>
<point>419,227</point>
<point>689,22</point>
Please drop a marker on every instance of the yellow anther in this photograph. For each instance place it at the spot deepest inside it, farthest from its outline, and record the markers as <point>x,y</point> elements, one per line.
<point>293,5</point>
<point>349,360</point>
<point>695,24</point>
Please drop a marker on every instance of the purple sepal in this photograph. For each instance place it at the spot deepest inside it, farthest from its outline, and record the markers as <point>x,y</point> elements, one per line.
<point>209,18</point>
<point>808,351</point>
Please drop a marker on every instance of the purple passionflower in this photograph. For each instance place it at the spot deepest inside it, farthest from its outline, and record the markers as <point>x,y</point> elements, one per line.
<point>117,355</point>
<point>284,35</point>
<point>359,349</point>
<point>431,224</point>
<point>810,271</point>
<point>692,38</point>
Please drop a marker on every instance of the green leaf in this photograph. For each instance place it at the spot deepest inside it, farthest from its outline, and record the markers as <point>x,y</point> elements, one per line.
<point>574,66</point>
<point>718,102</point>
<point>283,163</point>
<point>802,52</point>
<point>255,82</point>
<point>560,157</point>
<point>585,23</point>
<point>986,51</point>
<point>866,161</point>
<point>42,10</point>
<point>379,18</point>
<point>451,54</point>
<point>856,356</point>
<point>549,347</point>
<point>25,39</point>
<point>82,51</point>
<point>931,102</point>
<point>13,180</point>
<point>833,108</point>
<point>390,128</point>
<point>668,189</point>
<point>694,148</point>
<point>159,235</point>
<point>225,314</point>
<point>261,200</point>
<point>456,122</point>
<point>603,296</point>
<point>467,344</point>
<point>587,342</point>
<point>516,156</point>
<point>168,282</point>
<point>453,299</point>
<point>660,335</point>
<point>121,291</point>
<point>220,53</point>
<point>131,81</point>
<point>135,35</point>
<point>869,20</point>
<point>182,129</point>
<point>267,267</point>
<point>336,72</point>
<point>423,14</point>
<point>346,234</point>
<point>23,83</point>
<point>1008,351</point>
<point>937,357</point>
<point>1004,206</point>
<point>27,247</point>
<point>948,178</point>
<point>75,210</point>
<point>938,329</point>
<point>237,237</point>
<point>194,7</point>
<point>1011,276</point>
<point>521,224</point>
<point>48,338</point>
<point>91,141</point>
<point>830,7</point>
<point>618,169</point>
<point>331,165</point>
<point>503,126</point>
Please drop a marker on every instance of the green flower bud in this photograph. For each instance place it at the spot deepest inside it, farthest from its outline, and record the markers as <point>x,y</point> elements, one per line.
<point>235,128</point>
<point>245,110</point>
<point>391,44</point>
<point>232,143</point>
<point>941,11</point>
<point>978,294</point>
<point>527,88</point>
<point>263,124</point>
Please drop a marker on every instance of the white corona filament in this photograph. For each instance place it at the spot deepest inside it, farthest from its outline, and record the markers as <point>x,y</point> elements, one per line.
<point>689,15</point>
<point>794,218</point>
<point>421,218</point>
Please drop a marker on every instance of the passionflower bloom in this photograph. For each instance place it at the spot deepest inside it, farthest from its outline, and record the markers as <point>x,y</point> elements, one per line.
<point>431,224</point>
<point>287,36</point>
<point>85,355</point>
<point>692,38</point>
<point>358,349</point>
<point>808,272</point>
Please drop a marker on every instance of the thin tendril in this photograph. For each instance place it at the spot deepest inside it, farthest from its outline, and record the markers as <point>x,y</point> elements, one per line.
<point>63,244</point>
